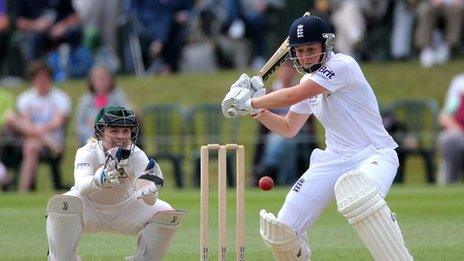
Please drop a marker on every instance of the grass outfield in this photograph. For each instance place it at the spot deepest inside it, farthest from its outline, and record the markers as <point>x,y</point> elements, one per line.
<point>432,220</point>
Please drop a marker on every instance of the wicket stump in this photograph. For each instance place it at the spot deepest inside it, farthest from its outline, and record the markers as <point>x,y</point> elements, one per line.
<point>222,200</point>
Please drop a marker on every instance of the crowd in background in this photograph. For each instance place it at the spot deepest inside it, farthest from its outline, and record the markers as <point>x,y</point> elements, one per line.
<point>98,39</point>
<point>160,37</point>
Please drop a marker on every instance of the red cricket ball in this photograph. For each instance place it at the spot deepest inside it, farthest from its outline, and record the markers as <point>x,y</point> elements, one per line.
<point>266,183</point>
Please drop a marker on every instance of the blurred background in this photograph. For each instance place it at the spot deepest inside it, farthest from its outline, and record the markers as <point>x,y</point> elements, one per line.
<point>172,61</point>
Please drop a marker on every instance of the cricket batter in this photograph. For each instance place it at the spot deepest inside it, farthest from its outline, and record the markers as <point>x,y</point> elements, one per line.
<point>359,163</point>
<point>115,190</point>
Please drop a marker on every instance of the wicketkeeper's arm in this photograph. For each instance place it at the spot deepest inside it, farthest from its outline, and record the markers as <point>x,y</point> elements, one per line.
<point>148,184</point>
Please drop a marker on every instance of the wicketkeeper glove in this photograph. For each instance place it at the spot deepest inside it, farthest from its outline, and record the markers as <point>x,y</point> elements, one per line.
<point>106,177</point>
<point>109,174</point>
<point>149,192</point>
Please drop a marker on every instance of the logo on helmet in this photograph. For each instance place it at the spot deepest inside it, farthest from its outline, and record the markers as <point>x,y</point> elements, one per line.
<point>299,31</point>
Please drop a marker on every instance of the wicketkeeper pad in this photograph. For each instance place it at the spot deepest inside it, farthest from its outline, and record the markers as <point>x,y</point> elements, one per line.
<point>156,237</point>
<point>360,202</point>
<point>64,227</point>
<point>282,240</point>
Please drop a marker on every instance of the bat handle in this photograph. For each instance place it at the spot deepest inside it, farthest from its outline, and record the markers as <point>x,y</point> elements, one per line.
<point>232,112</point>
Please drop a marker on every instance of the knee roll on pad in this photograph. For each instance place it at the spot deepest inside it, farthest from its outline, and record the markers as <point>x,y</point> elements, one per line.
<point>359,201</point>
<point>282,240</point>
<point>64,227</point>
<point>156,237</point>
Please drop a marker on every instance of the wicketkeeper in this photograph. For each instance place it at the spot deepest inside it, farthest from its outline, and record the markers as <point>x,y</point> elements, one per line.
<point>116,191</point>
<point>359,162</point>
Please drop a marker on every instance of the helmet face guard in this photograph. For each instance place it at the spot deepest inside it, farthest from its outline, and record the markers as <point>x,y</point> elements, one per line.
<point>116,116</point>
<point>327,48</point>
<point>308,30</point>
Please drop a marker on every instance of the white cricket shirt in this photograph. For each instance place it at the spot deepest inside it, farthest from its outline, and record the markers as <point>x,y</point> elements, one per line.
<point>90,158</point>
<point>348,110</point>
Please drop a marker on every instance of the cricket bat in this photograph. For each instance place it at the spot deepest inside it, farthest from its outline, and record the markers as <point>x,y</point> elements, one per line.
<point>277,59</point>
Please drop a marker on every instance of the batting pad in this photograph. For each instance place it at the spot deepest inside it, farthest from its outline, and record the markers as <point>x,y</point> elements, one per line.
<point>282,239</point>
<point>64,227</point>
<point>360,202</point>
<point>156,237</point>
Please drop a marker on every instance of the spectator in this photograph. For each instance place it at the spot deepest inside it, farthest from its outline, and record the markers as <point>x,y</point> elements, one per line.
<point>42,114</point>
<point>429,12</point>
<point>350,25</point>
<point>161,25</point>
<point>47,23</point>
<point>102,92</point>
<point>451,139</point>
<point>6,107</point>
<point>278,156</point>
<point>100,29</point>
<point>403,24</point>
<point>4,26</point>
<point>248,16</point>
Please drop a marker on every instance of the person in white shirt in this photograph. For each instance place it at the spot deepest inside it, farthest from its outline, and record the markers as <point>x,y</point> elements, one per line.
<point>116,188</point>
<point>43,112</point>
<point>359,162</point>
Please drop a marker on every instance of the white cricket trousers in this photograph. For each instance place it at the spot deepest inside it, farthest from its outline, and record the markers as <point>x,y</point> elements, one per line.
<point>311,194</point>
<point>126,217</point>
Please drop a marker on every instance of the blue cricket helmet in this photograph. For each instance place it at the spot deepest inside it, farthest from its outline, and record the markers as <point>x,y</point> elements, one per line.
<point>308,30</point>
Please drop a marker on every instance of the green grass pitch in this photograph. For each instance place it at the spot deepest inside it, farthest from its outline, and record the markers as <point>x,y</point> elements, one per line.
<point>431,218</point>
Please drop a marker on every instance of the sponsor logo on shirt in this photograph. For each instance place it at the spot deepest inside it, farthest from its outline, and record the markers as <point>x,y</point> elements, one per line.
<point>326,72</point>
<point>82,165</point>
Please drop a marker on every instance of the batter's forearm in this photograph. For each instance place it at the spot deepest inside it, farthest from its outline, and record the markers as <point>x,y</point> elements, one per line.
<point>276,124</point>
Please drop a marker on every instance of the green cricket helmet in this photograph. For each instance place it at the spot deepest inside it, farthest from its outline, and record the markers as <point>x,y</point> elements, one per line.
<point>116,116</point>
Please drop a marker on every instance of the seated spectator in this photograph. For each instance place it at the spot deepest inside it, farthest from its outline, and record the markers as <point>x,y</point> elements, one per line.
<point>42,114</point>
<point>100,29</point>
<point>161,26</point>
<point>277,156</point>
<point>429,12</point>
<point>6,108</point>
<point>451,139</point>
<point>4,26</point>
<point>102,92</point>
<point>47,23</point>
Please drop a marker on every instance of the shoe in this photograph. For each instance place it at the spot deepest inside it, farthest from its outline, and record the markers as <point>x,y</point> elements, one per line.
<point>427,57</point>
<point>442,54</point>
<point>236,29</point>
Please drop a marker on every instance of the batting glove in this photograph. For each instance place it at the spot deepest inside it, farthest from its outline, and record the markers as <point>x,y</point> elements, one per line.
<point>243,82</point>
<point>233,97</point>
<point>259,90</point>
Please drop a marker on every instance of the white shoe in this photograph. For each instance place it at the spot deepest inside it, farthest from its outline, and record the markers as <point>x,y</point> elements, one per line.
<point>236,29</point>
<point>427,57</point>
<point>442,54</point>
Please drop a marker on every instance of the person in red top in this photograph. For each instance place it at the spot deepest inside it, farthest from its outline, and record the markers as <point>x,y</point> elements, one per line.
<point>451,139</point>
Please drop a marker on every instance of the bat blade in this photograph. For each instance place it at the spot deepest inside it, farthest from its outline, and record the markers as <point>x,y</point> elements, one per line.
<point>277,59</point>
